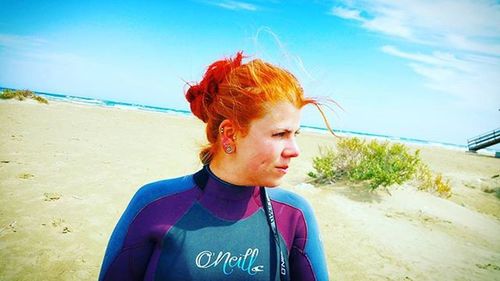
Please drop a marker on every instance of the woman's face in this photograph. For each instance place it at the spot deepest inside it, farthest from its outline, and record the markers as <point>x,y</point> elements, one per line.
<point>264,153</point>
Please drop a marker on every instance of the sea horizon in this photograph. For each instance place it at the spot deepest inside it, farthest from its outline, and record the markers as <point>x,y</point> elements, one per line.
<point>180,112</point>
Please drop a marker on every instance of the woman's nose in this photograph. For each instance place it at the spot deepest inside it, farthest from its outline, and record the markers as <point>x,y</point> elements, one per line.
<point>291,149</point>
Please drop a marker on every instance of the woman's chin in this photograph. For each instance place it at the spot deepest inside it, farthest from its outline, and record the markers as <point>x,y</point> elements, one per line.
<point>272,183</point>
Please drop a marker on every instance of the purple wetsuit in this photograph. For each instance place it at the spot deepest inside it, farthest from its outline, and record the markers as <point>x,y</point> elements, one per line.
<point>175,230</point>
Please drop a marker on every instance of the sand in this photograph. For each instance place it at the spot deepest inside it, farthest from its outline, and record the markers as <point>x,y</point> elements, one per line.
<point>67,172</point>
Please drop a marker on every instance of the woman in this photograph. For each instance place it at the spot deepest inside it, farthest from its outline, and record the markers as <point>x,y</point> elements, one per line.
<point>221,223</point>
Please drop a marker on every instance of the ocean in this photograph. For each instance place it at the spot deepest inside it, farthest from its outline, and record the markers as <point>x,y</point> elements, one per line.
<point>179,112</point>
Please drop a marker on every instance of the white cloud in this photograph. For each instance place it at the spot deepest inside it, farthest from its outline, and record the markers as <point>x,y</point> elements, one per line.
<point>469,78</point>
<point>466,44</point>
<point>468,25</point>
<point>57,58</point>
<point>347,13</point>
<point>234,5</point>
<point>36,48</point>
<point>390,26</point>
<point>17,41</point>
<point>461,40</point>
<point>437,59</point>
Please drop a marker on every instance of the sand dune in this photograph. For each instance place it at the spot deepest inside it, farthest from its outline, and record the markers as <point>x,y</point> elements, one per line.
<point>67,172</point>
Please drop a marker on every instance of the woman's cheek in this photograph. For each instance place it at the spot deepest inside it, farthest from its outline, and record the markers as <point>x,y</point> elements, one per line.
<point>270,152</point>
<point>260,157</point>
<point>258,161</point>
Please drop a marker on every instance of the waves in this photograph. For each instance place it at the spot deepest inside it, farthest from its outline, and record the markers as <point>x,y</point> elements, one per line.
<point>179,112</point>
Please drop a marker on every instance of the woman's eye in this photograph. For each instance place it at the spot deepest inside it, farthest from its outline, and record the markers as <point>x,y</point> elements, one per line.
<point>281,134</point>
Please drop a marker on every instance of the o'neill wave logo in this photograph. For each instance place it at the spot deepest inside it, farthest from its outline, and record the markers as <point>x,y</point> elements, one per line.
<point>244,262</point>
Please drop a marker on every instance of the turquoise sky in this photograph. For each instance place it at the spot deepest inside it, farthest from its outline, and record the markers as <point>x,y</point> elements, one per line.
<point>418,69</point>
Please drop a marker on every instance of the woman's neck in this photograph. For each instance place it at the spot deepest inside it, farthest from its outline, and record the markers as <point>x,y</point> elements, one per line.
<point>227,171</point>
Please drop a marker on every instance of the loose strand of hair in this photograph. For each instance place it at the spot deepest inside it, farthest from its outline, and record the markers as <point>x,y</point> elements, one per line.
<point>325,119</point>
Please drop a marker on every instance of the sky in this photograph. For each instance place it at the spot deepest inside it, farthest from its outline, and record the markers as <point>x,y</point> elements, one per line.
<point>417,69</point>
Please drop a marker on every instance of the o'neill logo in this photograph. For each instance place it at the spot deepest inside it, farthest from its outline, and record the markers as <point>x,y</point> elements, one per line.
<point>244,262</point>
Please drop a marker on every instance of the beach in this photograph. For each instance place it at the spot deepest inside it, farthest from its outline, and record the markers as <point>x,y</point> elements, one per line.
<point>68,171</point>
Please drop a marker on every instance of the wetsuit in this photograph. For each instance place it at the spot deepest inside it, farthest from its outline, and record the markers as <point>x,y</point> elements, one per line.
<point>175,230</point>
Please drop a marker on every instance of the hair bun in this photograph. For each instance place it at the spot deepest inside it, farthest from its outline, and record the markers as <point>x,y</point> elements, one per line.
<point>195,96</point>
<point>201,95</point>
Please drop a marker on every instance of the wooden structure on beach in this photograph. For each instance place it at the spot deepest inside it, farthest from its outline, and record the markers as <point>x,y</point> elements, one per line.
<point>484,140</point>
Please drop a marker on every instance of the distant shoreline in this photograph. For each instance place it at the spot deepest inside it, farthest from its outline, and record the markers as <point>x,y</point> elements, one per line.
<point>315,129</point>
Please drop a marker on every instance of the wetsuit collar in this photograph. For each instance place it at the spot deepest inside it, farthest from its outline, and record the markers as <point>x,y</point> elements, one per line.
<point>222,189</point>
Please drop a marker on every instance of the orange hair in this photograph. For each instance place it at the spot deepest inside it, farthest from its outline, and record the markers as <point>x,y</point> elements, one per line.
<point>241,93</point>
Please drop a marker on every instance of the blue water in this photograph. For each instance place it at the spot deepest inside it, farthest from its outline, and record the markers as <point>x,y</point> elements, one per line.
<point>108,103</point>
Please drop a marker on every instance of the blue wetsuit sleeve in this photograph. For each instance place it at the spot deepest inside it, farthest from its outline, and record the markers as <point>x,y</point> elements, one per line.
<point>307,256</point>
<point>115,258</point>
<point>130,246</point>
<point>313,253</point>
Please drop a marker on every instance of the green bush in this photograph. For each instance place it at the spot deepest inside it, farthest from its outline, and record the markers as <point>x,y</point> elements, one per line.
<point>325,166</point>
<point>332,166</point>
<point>40,99</point>
<point>21,95</point>
<point>425,180</point>
<point>385,164</point>
<point>376,164</point>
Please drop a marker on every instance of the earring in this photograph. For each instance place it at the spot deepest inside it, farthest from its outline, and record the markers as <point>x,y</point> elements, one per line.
<point>228,148</point>
<point>221,130</point>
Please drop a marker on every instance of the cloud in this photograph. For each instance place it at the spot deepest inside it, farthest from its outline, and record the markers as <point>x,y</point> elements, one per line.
<point>437,59</point>
<point>472,79</point>
<point>459,42</point>
<point>35,48</point>
<point>234,5</point>
<point>467,25</point>
<point>17,41</point>
<point>467,44</point>
<point>347,13</point>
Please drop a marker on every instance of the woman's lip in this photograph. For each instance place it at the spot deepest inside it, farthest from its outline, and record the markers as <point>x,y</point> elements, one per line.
<point>283,169</point>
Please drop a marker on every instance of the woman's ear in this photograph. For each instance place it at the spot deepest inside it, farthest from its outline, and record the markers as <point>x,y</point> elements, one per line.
<point>227,131</point>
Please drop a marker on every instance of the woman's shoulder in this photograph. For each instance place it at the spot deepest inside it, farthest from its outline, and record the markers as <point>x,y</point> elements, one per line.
<point>289,198</point>
<point>162,188</point>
